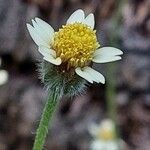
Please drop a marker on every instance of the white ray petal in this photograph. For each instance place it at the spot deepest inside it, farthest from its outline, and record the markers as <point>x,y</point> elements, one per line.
<point>97,77</point>
<point>82,73</point>
<point>108,51</point>
<point>44,25</point>
<point>34,24</point>
<point>41,32</point>
<point>46,51</point>
<point>107,54</point>
<point>89,20</point>
<point>105,59</point>
<point>35,36</point>
<point>112,145</point>
<point>47,29</point>
<point>98,145</point>
<point>77,16</point>
<point>51,59</point>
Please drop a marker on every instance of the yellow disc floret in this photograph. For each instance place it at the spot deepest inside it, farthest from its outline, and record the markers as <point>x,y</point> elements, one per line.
<point>106,134</point>
<point>75,44</point>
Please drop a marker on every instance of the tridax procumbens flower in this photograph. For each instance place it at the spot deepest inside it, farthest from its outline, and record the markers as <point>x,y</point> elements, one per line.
<point>74,46</point>
<point>104,131</point>
<point>104,136</point>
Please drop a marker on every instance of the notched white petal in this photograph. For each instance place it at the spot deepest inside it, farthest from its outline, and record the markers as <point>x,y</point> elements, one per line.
<point>89,20</point>
<point>107,54</point>
<point>82,73</point>
<point>96,76</point>
<point>41,32</point>
<point>108,51</point>
<point>44,25</point>
<point>51,59</point>
<point>46,29</point>
<point>35,36</point>
<point>102,59</point>
<point>77,16</point>
<point>90,75</point>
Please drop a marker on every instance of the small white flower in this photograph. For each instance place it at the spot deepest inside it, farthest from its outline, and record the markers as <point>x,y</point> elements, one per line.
<point>74,46</point>
<point>105,130</point>
<point>3,77</point>
<point>104,136</point>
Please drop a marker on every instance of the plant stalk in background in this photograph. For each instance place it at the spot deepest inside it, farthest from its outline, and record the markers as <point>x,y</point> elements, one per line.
<point>111,68</point>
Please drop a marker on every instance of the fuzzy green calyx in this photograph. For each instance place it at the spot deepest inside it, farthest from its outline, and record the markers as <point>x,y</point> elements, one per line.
<point>57,79</point>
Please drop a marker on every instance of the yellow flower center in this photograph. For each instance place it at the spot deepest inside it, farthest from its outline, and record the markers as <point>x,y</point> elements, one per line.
<point>75,44</point>
<point>106,134</point>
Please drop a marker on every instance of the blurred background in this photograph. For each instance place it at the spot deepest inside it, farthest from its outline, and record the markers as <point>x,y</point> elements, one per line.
<point>124,24</point>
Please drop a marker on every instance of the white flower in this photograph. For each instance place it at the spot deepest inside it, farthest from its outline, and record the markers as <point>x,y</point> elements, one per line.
<point>105,130</point>
<point>104,136</point>
<point>74,45</point>
<point>3,77</point>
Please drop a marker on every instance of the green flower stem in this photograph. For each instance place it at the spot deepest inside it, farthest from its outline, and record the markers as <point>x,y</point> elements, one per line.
<point>111,68</point>
<point>42,130</point>
<point>111,101</point>
<point>110,92</point>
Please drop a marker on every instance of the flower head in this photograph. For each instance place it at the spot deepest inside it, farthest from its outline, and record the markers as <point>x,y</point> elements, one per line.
<point>74,46</point>
<point>104,136</point>
<point>104,131</point>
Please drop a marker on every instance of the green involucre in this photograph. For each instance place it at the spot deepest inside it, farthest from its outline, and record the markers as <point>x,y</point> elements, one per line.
<point>57,79</point>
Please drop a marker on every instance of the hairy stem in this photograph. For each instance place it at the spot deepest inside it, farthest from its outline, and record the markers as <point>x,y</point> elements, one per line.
<point>42,130</point>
